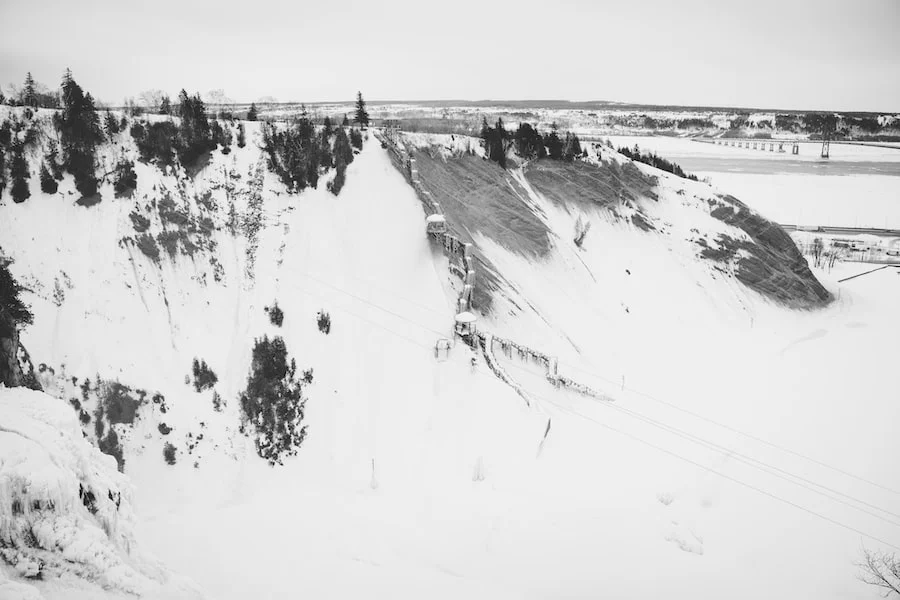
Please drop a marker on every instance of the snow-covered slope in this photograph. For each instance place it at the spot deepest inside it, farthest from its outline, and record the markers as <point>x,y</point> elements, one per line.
<point>424,474</point>
<point>66,519</point>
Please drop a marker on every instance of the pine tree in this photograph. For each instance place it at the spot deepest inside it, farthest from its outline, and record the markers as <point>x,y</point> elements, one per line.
<point>252,114</point>
<point>29,94</point>
<point>111,124</point>
<point>241,136</point>
<point>345,122</point>
<point>553,143</point>
<point>362,116</point>
<point>79,127</point>
<point>48,183</point>
<point>18,170</point>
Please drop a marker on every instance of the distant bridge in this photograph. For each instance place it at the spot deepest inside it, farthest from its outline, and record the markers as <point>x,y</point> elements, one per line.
<point>842,230</point>
<point>780,145</point>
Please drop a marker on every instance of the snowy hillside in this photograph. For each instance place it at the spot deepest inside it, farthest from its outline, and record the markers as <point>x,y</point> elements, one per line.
<point>66,518</point>
<point>658,466</point>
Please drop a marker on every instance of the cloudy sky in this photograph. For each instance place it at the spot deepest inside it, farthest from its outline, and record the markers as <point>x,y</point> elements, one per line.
<point>803,54</point>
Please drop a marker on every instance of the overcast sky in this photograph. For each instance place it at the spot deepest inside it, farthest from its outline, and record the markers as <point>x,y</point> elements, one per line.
<point>802,54</point>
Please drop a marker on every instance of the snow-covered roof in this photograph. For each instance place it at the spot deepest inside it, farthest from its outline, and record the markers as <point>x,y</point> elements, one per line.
<point>465,317</point>
<point>435,218</point>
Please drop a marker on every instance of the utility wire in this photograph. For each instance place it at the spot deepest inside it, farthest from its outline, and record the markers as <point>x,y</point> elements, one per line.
<point>621,432</point>
<point>735,430</point>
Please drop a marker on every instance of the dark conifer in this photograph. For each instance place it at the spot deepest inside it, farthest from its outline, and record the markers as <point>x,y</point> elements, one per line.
<point>49,185</point>
<point>29,94</point>
<point>362,116</point>
<point>252,114</point>
<point>18,170</point>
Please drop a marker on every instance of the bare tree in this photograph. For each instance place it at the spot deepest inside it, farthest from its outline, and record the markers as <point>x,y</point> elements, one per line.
<point>151,99</point>
<point>881,570</point>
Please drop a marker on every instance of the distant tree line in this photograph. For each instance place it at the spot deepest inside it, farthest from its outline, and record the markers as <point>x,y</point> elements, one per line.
<point>654,160</point>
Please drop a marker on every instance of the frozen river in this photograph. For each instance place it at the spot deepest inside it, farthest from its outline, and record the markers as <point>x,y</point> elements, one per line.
<point>857,187</point>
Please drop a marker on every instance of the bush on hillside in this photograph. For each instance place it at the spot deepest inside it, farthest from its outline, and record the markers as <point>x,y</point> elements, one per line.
<point>323,319</point>
<point>169,453</point>
<point>204,377</point>
<point>147,245</point>
<point>124,177</point>
<point>276,315</point>
<point>139,221</point>
<point>272,406</point>
<point>656,161</point>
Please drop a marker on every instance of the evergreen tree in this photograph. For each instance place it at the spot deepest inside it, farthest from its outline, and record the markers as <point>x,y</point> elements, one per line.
<point>345,122</point>
<point>48,183</point>
<point>252,114</point>
<point>554,144</point>
<point>29,94</point>
<point>362,116</point>
<point>194,134</point>
<point>18,170</point>
<point>496,141</point>
<point>165,105</point>
<point>2,98</point>
<point>342,147</point>
<point>529,143</point>
<point>111,124</point>
<point>327,127</point>
<point>79,128</point>
<point>241,136</point>
<point>356,139</point>
<point>14,312</point>
<point>2,171</point>
<point>572,147</point>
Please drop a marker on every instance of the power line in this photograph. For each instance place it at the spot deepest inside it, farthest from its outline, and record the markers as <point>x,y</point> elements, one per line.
<point>724,476</point>
<point>757,464</point>
<point>632,436</point>
<point>737,431</point>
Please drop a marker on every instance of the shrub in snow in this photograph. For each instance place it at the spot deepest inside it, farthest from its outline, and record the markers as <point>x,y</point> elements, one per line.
<point>169,453</point>
<point>272,406</point>
<point>139,221</point>
<point>324,321</point>
<point>147,245</point>
<point>124,179</point>
<point>276,315</point>
<point>217,401</point>
<point>204,377</point>
<point>164,429</point>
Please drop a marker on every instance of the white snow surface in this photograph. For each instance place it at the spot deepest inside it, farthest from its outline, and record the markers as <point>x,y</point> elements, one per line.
<point>425,478</point>
<point>45,465</point>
